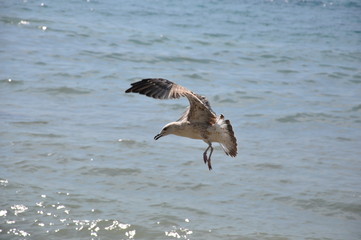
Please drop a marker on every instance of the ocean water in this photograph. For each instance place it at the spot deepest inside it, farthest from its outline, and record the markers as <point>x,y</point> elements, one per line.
<point>77,155</point>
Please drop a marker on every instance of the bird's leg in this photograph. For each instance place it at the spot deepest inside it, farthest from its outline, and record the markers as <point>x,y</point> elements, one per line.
<point>205,158</point>
<point>209,158</point>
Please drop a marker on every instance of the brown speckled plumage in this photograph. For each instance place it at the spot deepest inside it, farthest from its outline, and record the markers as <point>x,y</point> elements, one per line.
<point>198,122</point>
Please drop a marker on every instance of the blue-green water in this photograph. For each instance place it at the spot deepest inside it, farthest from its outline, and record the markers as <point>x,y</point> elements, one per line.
<point>78,159</point>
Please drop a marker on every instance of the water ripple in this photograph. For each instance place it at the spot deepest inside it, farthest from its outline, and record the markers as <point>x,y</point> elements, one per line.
<point>65,90</point>
<point>306,117</point>
<point>112,171</point>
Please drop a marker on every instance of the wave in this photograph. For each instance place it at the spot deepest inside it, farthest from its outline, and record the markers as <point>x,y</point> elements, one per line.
<point>111,171</point>
<point>11,81</point>
<point>186,59</point>
<point>306,117</point>
<point>66,90</point>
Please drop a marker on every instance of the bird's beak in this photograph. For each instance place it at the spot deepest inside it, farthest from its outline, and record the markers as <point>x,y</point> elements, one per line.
<point>158,136</point>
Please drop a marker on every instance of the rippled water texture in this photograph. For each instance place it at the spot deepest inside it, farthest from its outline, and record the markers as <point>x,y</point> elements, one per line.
<point>78,159</point>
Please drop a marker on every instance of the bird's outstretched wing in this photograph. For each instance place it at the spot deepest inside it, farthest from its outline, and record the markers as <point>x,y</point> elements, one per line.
<point>159,88</point>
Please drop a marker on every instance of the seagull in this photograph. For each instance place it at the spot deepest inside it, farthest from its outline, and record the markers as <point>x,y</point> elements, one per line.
<point>199,121</point>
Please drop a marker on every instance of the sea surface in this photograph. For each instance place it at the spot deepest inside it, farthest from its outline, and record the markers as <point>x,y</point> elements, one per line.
<point>77,155</point>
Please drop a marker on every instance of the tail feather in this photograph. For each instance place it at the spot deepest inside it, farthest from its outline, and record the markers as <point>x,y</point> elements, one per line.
<point>229,144</point>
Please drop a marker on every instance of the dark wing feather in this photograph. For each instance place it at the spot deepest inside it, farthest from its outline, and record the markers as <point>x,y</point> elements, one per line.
<point>205,102</point>
<point>159,88</point>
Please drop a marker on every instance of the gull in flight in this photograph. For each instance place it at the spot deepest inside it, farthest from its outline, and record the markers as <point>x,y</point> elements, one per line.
<point>198,122</point>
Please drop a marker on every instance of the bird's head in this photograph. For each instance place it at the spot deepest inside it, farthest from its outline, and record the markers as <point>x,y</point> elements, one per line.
<point>170,128</point>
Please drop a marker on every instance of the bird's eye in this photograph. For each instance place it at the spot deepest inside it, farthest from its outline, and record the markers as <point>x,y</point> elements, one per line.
<point>165,129</point>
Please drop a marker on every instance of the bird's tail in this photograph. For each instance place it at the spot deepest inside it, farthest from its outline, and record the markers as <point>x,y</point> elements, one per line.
<point>229,144</point>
